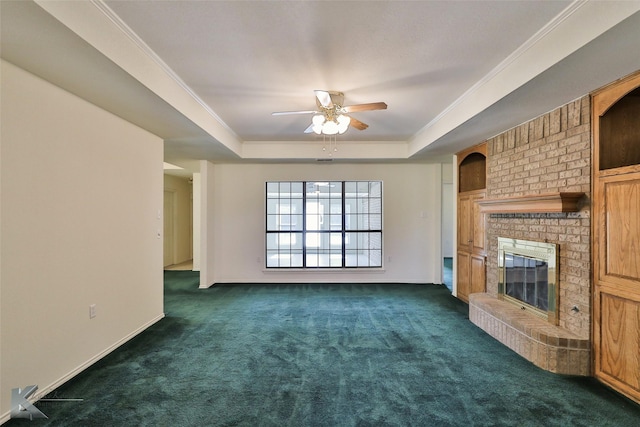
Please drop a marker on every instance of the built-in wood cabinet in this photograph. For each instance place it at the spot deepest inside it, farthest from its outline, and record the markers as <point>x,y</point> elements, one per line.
<point>471,242</point>
<point>616,235</point>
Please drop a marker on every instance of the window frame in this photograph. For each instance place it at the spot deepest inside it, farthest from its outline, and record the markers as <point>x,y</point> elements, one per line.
<point>367,233</point>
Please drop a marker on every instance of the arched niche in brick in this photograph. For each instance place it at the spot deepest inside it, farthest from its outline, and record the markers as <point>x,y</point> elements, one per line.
<point>472,172</point>
<point>619,138</point>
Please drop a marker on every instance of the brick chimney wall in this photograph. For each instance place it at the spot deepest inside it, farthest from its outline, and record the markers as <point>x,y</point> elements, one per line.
<point>551,153</point>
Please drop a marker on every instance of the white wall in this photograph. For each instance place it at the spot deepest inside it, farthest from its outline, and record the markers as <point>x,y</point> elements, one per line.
<point>454,177</point>
<point>411,215</point>
<point>81,192</point>
<point>448,203</point>
<point>208,217</point>
<point>197,221</point>
<point>183,216</point>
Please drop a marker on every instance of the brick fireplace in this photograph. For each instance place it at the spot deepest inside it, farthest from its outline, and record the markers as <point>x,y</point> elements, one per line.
<point>549,154</point>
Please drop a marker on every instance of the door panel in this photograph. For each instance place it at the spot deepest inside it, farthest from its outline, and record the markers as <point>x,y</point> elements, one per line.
<point>622,232</point>
<point>464,225</point>
<point>478,225</point>
<point>478,274</point>
<point>620,335</point>
<point>464,276</point>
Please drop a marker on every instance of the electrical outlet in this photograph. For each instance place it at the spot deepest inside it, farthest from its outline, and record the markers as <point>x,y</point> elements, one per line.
<point>92,311</point>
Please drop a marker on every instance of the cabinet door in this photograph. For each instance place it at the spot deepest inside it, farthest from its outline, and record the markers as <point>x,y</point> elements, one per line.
<point>471,245</point>
<point>463,276</point>
<point>618,247</point>
<point>617,283</point>
<point>478,274</point>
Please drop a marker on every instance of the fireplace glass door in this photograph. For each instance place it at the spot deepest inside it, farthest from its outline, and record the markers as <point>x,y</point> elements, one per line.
<point>527,276</point>
<point>526,280</point>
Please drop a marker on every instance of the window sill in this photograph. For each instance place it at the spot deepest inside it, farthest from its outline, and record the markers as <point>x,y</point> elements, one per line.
<point>325,270</point>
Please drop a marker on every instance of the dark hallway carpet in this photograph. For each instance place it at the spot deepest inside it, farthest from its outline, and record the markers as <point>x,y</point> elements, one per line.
<point>447,273</point>
<point>324,355</point>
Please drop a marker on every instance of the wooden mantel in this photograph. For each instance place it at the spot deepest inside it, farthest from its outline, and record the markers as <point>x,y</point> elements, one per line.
<point>535,203</point>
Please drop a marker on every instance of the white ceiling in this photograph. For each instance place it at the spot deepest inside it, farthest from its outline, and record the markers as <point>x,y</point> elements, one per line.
<point>206,75</point>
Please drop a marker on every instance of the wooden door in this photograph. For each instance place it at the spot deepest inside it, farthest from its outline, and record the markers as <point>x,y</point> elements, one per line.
<point>616,236</point>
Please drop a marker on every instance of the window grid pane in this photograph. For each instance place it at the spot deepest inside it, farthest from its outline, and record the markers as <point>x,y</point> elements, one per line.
<point>324,224</point>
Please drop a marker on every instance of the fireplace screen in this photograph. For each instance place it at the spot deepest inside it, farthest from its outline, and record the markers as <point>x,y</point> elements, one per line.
<point>526,280</point>
<point>527,275</point>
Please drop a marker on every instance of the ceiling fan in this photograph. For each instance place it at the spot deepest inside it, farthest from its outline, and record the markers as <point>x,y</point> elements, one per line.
<point>331,116</point>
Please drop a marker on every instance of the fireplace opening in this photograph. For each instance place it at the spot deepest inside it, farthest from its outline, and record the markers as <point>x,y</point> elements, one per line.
<point>527,273</point>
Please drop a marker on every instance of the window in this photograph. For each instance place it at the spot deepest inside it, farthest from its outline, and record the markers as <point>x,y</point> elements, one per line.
<point>324,224</point>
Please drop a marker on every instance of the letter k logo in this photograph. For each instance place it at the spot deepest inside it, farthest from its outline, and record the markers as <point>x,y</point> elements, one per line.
<point>21,407</point>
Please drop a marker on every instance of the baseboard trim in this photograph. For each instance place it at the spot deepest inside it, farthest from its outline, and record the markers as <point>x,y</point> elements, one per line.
<point>51,387</point>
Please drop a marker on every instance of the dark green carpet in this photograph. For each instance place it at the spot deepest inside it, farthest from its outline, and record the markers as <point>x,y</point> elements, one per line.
<point>324,355</point>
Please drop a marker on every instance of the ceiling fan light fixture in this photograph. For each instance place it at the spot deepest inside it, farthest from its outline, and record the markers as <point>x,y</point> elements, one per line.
<point>330,118</point>
<point>318,119</point>
<point>343,123</point>
<point>330,128</point>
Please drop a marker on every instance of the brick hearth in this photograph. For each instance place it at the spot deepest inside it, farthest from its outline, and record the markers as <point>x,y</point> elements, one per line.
<point>545,345</point>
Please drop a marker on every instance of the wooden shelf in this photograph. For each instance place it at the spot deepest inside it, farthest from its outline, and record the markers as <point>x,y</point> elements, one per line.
<point>538,203</point>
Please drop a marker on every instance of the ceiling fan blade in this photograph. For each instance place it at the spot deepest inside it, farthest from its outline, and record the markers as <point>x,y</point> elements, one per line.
<point>324,98</point>
<point>309,129</point>
<point>358,124</point>
<point>284,113</point>
<point>365,107</point>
